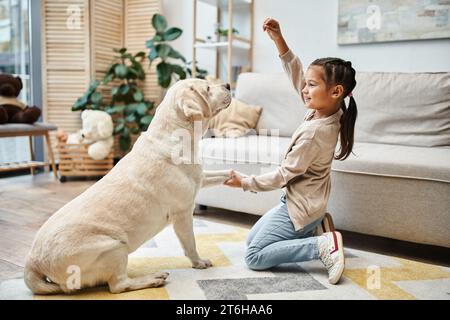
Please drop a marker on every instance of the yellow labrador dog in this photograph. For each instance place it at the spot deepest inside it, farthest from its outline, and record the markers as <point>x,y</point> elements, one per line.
<point>86,243</point>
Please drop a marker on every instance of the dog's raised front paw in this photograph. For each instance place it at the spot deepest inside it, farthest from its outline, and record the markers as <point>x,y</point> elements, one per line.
<point>202,264</point>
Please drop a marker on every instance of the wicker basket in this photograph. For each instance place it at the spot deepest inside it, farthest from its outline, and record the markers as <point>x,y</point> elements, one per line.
<point>74,161</point>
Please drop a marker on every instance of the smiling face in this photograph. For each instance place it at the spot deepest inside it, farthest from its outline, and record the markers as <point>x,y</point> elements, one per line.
<point>319,95</point>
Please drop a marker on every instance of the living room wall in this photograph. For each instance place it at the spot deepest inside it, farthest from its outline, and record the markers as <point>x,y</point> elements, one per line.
<point>310,28</point>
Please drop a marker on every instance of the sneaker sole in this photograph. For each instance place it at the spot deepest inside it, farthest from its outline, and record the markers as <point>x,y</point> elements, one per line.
<point>338,276</point>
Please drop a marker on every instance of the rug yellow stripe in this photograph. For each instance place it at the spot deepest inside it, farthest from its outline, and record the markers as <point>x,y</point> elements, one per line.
<point>409,270</point>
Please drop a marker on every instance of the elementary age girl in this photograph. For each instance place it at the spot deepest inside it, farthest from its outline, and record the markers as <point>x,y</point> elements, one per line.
<point>286,233</point>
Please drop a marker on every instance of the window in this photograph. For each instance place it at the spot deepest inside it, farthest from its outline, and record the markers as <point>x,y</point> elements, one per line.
<point>15,59</point>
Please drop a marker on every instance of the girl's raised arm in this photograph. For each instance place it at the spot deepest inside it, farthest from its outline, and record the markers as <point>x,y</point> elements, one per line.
<point>291,63</point>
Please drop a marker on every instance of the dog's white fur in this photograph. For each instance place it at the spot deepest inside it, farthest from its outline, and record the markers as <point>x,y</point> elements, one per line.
<point>94,233</point>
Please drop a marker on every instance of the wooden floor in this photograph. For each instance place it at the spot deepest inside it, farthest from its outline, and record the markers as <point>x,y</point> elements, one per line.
<point>26,202</point>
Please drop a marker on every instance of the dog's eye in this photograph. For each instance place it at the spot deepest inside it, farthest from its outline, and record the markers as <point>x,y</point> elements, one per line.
<point>207,89</point>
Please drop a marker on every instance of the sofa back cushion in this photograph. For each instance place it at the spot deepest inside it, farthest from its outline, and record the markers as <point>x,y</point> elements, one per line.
<point>411,109</point>
<point>283,108</point>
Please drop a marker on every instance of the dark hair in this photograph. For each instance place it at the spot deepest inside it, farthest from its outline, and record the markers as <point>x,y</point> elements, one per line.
<point>338,71</point>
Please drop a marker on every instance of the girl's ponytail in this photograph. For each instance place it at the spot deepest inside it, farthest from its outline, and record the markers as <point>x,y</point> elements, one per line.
<point>347,131</point>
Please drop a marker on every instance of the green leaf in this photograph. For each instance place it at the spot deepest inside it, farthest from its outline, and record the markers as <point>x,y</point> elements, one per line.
<point>135,130</point>
<point>121,50</point>
<point>114,91</point>
<point>149,44</point>
<point>157,38</point>
<point>79,104</point>
<point>125,140</point>
<point>159,22</point>
<point>165,83</point>
<point>121,71</point>
<point>176,55</point>
<point>131,108</point>
<point>172,34</point>
<point>138,96</point>
<point>124,89</point>
<point>117,109</point>
<point>163,50</point>
<point>131,118</point>
<point>140,54</point>
<point>108,78</point>
<point>97,98</point>
<point>179,70</point>
<point>119,128</point>
<point>164,72</point>
<point>142,108</point>
<point>153,55</point>
<point>111,68</point>
<point>92,87</point>
<point>146,120</point>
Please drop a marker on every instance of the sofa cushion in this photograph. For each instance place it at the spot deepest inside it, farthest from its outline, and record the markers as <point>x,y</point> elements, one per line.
<point>367,158</point>
<point>235,121</point>
<point>267,150</point>
<point>283,108</point>
<point>397,161</point>
<point>410,109</point>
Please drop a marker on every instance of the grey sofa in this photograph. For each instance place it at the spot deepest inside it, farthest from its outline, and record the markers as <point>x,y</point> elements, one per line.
<point>397,182</point>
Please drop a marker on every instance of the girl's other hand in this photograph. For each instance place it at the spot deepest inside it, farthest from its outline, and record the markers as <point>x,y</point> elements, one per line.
<point>234,181</point>
<point>273,29</point>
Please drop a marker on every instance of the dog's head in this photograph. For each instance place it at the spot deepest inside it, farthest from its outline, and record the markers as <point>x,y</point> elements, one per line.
<point>200,101</point>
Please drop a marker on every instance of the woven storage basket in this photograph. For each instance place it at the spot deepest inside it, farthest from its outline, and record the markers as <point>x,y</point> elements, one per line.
<point>74,161</point>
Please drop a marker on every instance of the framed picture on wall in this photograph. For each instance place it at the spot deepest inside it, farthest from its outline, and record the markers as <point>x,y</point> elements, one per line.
<point>368,21</point>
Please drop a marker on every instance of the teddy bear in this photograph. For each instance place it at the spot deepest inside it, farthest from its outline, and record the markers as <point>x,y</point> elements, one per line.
<point>97,132</point>
<point>11,109</point>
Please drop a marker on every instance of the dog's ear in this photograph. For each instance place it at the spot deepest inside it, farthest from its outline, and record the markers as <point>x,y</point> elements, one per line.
<point>191,109</point>
<point>195,105</point>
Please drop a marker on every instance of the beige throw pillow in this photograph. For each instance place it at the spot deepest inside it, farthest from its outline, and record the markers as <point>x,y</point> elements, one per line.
<point>235,121</point>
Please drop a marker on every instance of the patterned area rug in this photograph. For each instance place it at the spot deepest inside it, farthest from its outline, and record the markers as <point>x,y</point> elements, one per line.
<point>367,275</point>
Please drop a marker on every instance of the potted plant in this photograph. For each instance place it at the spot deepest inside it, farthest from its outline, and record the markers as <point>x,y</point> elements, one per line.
<point>162,51</point>
<point>128,107</point>
<point>223,33</point>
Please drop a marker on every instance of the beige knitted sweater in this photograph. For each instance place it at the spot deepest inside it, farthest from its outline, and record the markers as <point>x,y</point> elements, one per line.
<point>304,174</point>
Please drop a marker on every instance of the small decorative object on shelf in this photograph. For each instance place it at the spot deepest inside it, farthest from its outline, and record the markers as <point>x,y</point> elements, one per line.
<point>223,33</point>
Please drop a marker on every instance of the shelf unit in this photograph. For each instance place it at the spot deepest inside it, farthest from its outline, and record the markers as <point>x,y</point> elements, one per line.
<point>234,42</point>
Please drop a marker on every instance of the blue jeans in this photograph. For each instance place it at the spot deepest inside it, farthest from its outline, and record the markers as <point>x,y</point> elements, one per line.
<point>273,240</point>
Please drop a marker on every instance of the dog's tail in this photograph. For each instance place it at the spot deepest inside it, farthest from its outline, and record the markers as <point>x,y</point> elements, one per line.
<point>37,281</point>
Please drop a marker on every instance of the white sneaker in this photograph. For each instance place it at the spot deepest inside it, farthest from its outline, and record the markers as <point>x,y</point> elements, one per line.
<point>331,253</point>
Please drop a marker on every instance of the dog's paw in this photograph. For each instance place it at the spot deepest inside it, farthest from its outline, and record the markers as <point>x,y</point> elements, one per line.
<point>202,264</point>
<point>161,275</point>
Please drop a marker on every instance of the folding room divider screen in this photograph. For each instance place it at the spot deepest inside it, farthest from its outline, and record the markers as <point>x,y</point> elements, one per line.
<point>78,37</point>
